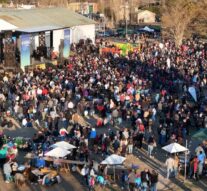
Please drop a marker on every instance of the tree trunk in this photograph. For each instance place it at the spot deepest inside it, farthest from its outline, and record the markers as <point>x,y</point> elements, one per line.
<point>179,34</point>
<point>178,40</point>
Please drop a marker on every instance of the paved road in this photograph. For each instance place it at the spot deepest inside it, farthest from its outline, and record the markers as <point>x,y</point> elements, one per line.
<point>73,182</point>
<point>69,183</point>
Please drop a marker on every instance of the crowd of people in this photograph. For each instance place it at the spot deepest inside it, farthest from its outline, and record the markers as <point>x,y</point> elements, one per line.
<point>144,93</point>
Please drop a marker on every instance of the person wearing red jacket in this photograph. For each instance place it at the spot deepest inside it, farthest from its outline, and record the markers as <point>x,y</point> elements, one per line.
<point>195,167</point>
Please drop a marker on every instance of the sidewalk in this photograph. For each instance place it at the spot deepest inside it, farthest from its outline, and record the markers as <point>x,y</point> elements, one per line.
<point>69,183</point>
<point>143,161</point>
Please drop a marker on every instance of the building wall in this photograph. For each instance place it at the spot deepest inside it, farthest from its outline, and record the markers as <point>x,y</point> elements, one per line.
<point>58,36</point>
<point>146,17</point>
<point>34,40</point>
<point>83,32</point>
<point>77,33</point>
<point>84,8</point>
<point>74,6</point>
<point>148,2</point>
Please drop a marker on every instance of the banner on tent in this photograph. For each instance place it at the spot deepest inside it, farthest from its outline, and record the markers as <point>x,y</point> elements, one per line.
<point>127,47</point>
<point>110,50</point>
<point>41,66</point>
<point>121,48</point>
<point>66,50</point>
<point>25,51</point>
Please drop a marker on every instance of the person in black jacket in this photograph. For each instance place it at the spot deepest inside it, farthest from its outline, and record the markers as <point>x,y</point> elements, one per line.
<point>145,178</point>
<point>153,180</point>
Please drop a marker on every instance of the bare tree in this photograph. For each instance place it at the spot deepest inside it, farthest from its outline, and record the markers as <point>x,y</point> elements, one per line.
<point>23,1</point>
<point>53,2</point>
<point>178,15</point>
<point>199,24</point>
<point>115,9</point>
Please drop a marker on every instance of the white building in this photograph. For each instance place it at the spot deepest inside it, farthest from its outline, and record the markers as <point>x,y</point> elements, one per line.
<point>145,16</point>
<point>55,20</point>
<point>41,33</point>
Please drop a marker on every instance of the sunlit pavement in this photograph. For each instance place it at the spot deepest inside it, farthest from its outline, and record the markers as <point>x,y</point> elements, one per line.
<point>140,158</point>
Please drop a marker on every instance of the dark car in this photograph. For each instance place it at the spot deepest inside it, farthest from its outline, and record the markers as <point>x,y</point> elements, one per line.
<point>103,34</point>
<point>122,32</point>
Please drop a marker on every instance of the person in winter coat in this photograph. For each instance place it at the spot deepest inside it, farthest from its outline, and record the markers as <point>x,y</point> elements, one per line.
<point>7,171</point>
<point>176,166</point>
<point>130,146</point>
<point>116,145</point>
<point>201,159</point>
<point>91,183</point>
<point>145,178</point>
<point>138,181</point>
<point>195,167</point>
<point>170,162</point>
<point>163,135</point>
<point>132,177</point>
<point>124,180</point>
<point>92,136</point>
<point>153,180</point>
<point>63,133</point>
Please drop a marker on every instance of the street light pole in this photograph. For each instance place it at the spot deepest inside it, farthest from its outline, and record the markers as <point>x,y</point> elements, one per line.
<point>125,6</point>
<point>104,26</point>
<point>126,27</point>
<point>125,15</point>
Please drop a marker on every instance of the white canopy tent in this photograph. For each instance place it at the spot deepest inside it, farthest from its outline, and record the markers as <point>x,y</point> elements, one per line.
<point>4,26</point>
<point>114,160</point>
<point>177,148</point>
<point>57,152</point>
<point>63,144</point>
<point>174,148</point>
<point>147,29</point>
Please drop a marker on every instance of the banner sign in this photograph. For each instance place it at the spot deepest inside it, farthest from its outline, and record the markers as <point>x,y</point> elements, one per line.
<point>25,51</point>
<point>66,50</point>
<point>110,50</point>
<point>41,66</point>
<point>121,48</point>
<point>127,47</point>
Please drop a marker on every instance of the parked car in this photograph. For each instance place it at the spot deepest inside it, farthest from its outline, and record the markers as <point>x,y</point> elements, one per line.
<point>122,31</point>
<point>103,34</point>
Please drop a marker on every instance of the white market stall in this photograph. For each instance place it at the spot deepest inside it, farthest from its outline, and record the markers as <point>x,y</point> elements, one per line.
<point>57,152</point>
<point>174,148</point>
<point>177,148</point>
<point>114,160</point>
<point>63,144</point>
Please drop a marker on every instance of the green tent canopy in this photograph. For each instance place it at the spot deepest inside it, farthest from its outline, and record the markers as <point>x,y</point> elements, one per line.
<point>3,153</point>
<point>201,135</point>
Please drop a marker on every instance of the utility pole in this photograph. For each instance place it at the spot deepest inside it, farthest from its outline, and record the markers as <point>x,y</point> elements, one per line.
<point>104,26</point>
<point>126,7</point>
<point>80,7</point>
<point>131,11</point>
